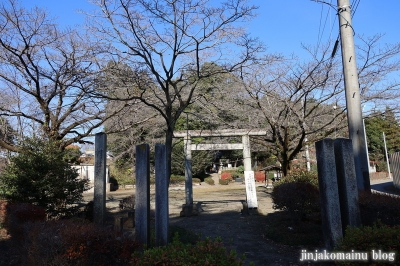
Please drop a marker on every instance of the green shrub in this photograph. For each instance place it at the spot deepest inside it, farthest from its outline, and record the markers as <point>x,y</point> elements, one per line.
<point>297,198</point>
<point>300,176</point>
<point>209,180</point>
<point>379,207</point>
<point>368,238</point>
<point>224,181</point>
<point>183,235</point>
<point>180,180</point>
<point>40,175</point>
<point>196,180</point>
<point>121,173</point>
<point>270,176</point>
<point>72,154</point>
<point>297,193</point>
<point>200,159</point>
<point>204,252</point>
<point>381,166</point>
<point>240,170</point>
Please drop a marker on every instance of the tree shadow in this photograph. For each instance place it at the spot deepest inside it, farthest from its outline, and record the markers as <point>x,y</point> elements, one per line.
<point>243,233</point>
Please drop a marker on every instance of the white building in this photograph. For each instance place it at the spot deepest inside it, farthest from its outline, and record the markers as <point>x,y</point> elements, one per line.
<point>86,171</point>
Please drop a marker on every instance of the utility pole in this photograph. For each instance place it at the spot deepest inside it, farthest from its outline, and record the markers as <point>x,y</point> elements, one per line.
<point>386,155</point>
<point>353,101</point>
<point>307,156</point>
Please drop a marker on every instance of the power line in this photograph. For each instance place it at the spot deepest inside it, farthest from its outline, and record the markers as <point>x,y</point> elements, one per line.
<point>319,28</point>
<point>320,33</point>
<point>328,14</point>
<point>355,4</point>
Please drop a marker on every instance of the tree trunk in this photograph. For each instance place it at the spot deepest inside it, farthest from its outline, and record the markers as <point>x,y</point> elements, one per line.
<point>285,166</point>
<point>168,145</point>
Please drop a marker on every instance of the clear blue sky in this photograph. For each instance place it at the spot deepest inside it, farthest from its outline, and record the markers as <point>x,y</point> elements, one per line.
<point>283,25</point>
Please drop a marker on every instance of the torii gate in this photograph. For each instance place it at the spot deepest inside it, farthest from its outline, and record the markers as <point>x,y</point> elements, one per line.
<point>245,146</point>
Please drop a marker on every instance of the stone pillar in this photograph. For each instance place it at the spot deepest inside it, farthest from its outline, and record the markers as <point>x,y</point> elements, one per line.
<point>251,193</point>
<point>395,167</point>
<point>329,194</point>
<point>246,152</point>
<point>142,198</point>
<point>347,182</point>
<point>99,198</point>
<point>188,171</point>
<point>162,212</point>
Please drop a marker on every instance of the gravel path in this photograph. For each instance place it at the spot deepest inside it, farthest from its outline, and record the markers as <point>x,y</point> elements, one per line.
<point>220,216</point>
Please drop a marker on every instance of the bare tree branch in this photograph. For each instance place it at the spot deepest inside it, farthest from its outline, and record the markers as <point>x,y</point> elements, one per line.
<point>44,74</point>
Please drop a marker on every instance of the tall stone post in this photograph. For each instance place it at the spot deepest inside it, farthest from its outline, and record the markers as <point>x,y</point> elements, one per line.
<point>251,193</point>
<point>329,194</point>
<point>142,199</point>
<point>188,170</point>
<point>246,152</point>
<point>347,182</point>
<point>162,212</point>
<point>99,198</point>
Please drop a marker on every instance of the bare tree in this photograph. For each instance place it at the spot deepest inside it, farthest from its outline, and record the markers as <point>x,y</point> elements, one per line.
<point>379,74</point>
<point>136,122</point>
<point>294,103</point>
<point>170,41</point>
<point>302,103</point>
<point>44,76</point>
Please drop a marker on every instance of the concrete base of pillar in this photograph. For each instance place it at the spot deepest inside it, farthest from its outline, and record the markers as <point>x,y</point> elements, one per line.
<point>245,210</point>
<point>248,211</point>
<point>191,210</point>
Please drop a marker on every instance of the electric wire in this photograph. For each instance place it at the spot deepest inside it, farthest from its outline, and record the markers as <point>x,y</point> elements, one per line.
<point>319,27</point>
<point>354,4</point>
<point>328,15</point>
<point>320,34</point>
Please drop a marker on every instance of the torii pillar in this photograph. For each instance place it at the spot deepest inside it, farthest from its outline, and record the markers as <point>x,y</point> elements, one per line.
<point>187,208</point>
<point>246,152</point>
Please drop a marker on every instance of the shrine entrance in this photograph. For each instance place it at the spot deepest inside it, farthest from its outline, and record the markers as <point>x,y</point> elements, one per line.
<point>251,197</point>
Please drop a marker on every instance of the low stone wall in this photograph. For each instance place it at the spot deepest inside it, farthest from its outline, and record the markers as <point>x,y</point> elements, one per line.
<point>378,176</point>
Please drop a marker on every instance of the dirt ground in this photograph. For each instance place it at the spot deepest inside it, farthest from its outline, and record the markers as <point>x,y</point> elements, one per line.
<point>220,216</point>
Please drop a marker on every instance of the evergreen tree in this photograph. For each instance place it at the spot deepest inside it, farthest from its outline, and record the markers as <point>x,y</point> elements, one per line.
<point>375,126</point>
<point>40,175</point>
